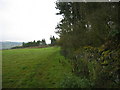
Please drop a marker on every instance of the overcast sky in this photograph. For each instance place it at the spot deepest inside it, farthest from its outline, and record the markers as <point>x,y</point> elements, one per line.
<point>27,20</point>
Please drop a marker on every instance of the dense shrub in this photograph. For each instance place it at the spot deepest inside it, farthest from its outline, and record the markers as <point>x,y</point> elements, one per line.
<point>71,81</point>
<point>99,65</point>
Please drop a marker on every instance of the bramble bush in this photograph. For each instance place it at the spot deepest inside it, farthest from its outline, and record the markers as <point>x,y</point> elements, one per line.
<point>100,66</point>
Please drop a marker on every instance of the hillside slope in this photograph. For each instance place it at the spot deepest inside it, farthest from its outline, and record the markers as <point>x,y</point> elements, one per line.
<point>8,45</point>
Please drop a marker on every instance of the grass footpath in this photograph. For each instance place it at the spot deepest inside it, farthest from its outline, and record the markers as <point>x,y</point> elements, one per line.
<point>33,68</point>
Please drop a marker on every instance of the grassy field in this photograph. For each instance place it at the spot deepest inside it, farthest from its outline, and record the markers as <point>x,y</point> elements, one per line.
<point>33,68</point>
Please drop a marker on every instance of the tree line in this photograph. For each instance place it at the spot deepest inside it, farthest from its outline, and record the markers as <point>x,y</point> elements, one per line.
<point>38,43</point>
<point>35,43</point>
<point>90,37</point>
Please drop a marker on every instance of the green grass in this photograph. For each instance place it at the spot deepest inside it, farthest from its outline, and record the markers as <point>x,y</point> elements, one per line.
<point>33,68</point>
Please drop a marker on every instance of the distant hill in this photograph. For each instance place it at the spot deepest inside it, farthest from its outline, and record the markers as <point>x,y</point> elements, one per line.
<point>8,45</point>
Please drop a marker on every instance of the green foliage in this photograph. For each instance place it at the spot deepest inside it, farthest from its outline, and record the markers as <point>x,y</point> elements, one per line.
<point>101,66</point>
<point>113,33</point>
<point>53,40</point>
<point>71,81</point>
<point>34,43</point>
<point>89,36</point>
<point>87,24</point>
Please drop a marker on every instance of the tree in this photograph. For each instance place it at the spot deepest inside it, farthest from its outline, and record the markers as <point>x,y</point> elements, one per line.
<point>43,42</point>
<point>53,40</point>
<point>89,33</point>
<point>38,42</point>
<point>86,24</point>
